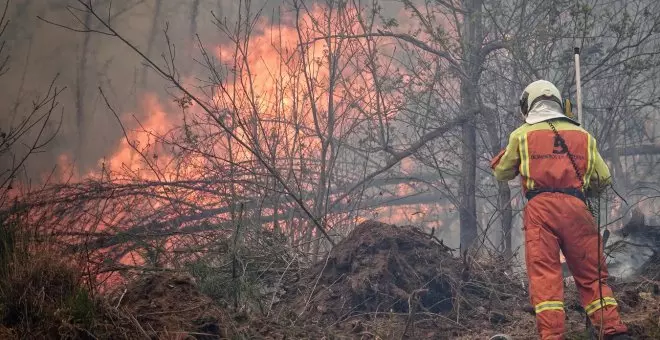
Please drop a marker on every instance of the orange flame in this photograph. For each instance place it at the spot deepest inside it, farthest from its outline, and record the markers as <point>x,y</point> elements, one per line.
<point>277,99</point>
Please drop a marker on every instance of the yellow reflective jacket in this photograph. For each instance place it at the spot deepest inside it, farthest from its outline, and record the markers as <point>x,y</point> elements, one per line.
<point>535,152</point>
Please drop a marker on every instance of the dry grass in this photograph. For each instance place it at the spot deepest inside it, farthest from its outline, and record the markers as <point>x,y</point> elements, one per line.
<point>387,271</point>
<point>43,295</point>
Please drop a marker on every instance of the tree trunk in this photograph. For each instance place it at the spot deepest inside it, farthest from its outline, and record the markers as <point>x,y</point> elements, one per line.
<point>472,41</point>
<point>468,209</point>
<point>504,191</point>
<point>81,84</point>
<point>158,7</point>
<point>193,18</point>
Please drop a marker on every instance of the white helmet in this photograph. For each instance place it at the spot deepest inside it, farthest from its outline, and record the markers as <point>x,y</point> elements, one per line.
<point>537,91</point>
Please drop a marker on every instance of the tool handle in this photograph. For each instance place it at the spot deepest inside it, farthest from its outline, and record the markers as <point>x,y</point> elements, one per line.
<point>578,85</point>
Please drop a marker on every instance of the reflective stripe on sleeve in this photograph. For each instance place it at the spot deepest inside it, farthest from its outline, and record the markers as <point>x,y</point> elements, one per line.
<point>591,159</point>
<point>525,171</point>
<point>549,305</point>
<point>600,303</point>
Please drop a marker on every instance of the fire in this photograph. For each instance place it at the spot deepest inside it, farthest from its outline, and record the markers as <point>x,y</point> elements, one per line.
<point>143,146</point>
<point>301,83</point>
<point>294,94</point>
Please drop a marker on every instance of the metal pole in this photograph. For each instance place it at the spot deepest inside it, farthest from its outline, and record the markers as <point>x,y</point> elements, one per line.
<point>578,85</point>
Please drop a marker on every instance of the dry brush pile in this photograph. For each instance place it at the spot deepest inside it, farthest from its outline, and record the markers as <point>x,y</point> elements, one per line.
<point>381,268</point>
<point>381,281</point>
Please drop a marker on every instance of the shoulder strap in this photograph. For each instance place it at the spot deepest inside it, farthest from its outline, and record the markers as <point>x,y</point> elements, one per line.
<point>571,157</point>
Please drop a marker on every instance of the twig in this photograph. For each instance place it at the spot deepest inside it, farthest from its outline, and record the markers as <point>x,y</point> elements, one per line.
<point>279,283</point>
<point>318,278</point>
<point>139,327</point>
<point>234,261</point>
<point>121,298</point>
<point>176,311</point>
<point>411,311</point>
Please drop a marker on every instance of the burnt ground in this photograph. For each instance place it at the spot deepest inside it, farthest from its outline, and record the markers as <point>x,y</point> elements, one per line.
<point>380,282</point>
<point>386,281</point>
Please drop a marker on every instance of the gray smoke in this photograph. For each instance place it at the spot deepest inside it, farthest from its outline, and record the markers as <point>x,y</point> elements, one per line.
<point>634,245</point>
<point>40,51</point>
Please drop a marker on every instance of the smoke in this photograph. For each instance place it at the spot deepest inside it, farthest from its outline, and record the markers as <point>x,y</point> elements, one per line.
<point>636,242</point>
<point>627,261</point>
<point>41,52</point>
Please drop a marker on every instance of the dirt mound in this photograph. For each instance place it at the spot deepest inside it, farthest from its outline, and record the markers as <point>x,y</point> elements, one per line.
<point>392,269</point>
<point>167,303</point>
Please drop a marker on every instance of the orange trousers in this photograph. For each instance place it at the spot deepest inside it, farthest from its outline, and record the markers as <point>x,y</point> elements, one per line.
<point>554,221</point>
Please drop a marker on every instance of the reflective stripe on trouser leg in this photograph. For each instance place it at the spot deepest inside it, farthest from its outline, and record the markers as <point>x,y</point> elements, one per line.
<point>544,271</point>
<point>585,258</point>
<point>549,305</point>
<point>600,303</point>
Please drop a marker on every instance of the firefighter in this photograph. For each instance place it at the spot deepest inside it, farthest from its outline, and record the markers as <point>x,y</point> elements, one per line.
<point>558,163</point>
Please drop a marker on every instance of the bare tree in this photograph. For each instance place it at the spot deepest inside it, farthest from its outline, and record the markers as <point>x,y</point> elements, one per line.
<point>81,85</point>
<point>151,43</point>
<point>304,124</point>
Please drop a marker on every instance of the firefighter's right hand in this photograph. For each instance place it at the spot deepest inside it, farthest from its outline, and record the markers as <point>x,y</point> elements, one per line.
<point>496,159</point>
